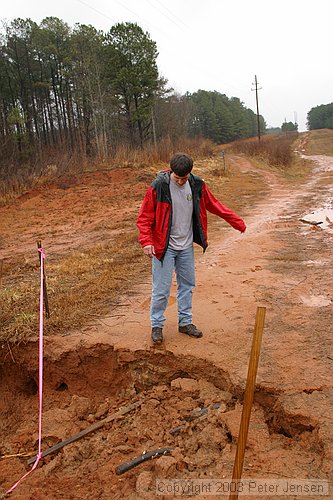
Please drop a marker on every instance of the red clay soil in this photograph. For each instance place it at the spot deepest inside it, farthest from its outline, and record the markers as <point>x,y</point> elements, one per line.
<point>280,263</point>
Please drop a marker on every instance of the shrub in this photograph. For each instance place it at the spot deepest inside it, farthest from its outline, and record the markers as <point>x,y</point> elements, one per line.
<point>18,178</point>
<point>277,151</point>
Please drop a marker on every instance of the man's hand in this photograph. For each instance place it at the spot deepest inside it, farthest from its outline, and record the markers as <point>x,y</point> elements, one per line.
<point>149,251</point>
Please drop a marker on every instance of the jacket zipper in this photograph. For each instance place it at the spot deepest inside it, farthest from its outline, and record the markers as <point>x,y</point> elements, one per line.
<point>164,219</point>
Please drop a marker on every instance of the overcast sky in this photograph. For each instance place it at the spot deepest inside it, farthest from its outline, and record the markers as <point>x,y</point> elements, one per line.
<point>221,45</point>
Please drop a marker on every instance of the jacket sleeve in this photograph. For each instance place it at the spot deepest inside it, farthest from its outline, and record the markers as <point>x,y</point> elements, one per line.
<point>146,218</point>
<point>214,206</point>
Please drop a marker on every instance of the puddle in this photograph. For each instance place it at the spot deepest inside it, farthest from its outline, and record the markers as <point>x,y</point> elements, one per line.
<point>319,262</point>
<point>323,217</point>
<point>316,300</point>
<point>322,163</point>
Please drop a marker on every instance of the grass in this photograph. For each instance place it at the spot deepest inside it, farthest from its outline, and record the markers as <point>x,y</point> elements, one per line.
<point>80,285</point>
<point>277,153</point>
<point>319,142</point>
<point>275,150</point>
<point>238,190</point>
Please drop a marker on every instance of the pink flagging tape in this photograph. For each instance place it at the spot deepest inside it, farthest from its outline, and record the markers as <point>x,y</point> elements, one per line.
<point>40,376</point>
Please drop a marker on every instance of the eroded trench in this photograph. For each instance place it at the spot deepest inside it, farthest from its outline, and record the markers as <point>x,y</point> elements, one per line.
<point>184,403</point>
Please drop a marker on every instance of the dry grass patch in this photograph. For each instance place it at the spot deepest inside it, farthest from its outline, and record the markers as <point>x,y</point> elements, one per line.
<point>319,142</point>
<point>275,153</point>
<point>238,190</point>
<point>274,150</point>
<point>80,286</point>
<point>298,170</point>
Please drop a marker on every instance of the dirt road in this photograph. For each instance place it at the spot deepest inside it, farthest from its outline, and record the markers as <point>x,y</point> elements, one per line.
<point>281,263</point>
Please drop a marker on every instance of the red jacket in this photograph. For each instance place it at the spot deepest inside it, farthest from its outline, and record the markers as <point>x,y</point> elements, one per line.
<point>154,219</point>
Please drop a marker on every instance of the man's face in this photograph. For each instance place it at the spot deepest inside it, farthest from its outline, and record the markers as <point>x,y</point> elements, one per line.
<point>179,180</point>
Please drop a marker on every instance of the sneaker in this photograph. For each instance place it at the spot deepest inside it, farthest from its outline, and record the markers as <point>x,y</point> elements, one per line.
<point>190,330</point>
<point>157,335</point>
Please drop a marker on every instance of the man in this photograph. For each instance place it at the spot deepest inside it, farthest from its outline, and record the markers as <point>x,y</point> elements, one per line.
<point>172,216</point>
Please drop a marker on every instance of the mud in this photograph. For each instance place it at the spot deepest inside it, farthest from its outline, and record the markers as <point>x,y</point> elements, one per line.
<point>89,384</point>
<point>280,263</point>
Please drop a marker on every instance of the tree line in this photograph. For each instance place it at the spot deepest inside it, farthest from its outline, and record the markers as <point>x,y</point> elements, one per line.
<point>320,117</point>
<point>80,90</point>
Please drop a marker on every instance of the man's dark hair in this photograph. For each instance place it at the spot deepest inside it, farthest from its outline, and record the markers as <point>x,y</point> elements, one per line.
<point>181,164</point>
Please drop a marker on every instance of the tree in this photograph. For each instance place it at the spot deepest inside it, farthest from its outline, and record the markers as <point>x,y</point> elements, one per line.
<point>90,99</point>
<point>81,91</point>
<point>289,127</point>
<point>131,72</point>
<point>56,60</point>
<point>320,117</point>
<point>19,54</point>
<point>219,118</point>
<point>273,130</point>
<point>172,113</point>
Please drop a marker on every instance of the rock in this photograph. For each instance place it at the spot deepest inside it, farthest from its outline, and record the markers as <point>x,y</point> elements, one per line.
<point>179,457</point>
<point>102,410</point>
<point>232,420</point>
<point>189,463</point>
<point>52,465</point>
<point>57,422</point>
<point>165,465</point>
<point>210,394</point>
<point>185,384</point>
<point>91,418</point>
<point>154,402</point>
<point>126,357</point>
<point>143,485</point>
<point>159,391</point>
<point>80,407</point>
<point>123,448</point>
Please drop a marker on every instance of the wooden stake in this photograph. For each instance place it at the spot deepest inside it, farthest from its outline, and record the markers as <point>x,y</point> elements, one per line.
<point>86,431</point>
<point>248,401</point>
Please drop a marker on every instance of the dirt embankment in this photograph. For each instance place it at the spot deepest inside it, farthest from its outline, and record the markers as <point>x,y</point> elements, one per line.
<point>190,391</point>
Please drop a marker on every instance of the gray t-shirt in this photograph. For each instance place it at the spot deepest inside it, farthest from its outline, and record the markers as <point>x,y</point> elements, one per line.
<point>181,235</point>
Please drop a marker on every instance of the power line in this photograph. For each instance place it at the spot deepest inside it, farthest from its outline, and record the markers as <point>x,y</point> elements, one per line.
<point>138,16</point>
<point>194,66</point>
<point>173,15</point>
<point>164,35</point>
<point>98,11</point>
<point>164,15</point>
<point>125,7</point>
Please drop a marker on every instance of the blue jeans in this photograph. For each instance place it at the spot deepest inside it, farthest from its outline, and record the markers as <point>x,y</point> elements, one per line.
<point>182,261</point>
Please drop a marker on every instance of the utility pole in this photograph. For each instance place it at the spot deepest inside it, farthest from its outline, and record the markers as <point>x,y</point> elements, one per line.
<point>256,89</point>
